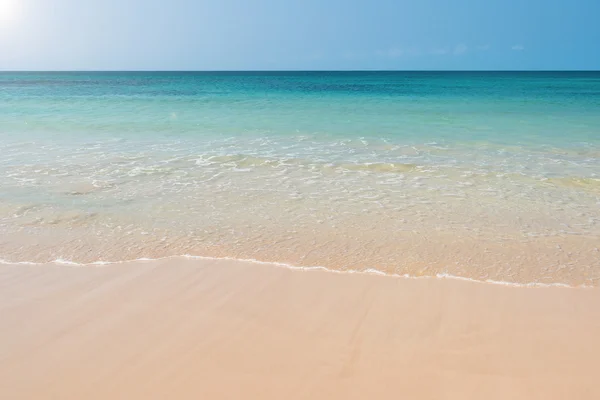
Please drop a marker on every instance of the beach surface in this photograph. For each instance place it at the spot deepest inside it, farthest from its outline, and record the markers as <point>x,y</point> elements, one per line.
<point>219,329</point>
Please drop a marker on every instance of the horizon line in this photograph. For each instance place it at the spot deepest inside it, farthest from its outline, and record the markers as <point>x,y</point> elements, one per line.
<point>298,70</point>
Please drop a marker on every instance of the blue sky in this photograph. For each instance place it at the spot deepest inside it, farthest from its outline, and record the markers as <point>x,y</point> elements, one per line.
<point>308,34</point>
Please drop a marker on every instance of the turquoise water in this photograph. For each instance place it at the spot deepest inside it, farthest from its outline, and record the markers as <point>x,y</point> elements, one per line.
<point>381,166</point>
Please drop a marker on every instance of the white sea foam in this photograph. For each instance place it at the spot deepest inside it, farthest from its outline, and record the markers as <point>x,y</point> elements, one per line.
<point>369,271</point>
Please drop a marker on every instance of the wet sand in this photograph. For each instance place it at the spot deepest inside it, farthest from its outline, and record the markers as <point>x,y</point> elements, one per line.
<point>215,329</point>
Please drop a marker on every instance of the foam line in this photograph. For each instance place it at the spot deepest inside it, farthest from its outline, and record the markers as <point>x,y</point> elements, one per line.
<point>370,271</point>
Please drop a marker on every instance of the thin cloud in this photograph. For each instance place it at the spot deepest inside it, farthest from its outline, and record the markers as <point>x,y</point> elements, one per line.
<point>392,52</point>
<point>483,47</point>
<point>350,55</point>
<point>518,47</point>
<point>440,52</point>
<point>395,52</point>
<point>316,56</point>
<point>460,49</point>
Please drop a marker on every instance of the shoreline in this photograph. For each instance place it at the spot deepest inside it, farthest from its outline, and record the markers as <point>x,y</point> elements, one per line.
<point>183,328</point>
<point>369,271</point>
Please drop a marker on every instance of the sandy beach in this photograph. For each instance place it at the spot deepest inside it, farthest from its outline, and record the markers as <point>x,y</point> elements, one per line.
<point>218,329</point>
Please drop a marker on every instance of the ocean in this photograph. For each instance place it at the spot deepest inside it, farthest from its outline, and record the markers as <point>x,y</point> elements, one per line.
<point>491,176</point>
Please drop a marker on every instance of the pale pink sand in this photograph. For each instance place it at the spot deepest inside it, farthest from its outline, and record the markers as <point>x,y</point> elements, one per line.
<point>191,329</point>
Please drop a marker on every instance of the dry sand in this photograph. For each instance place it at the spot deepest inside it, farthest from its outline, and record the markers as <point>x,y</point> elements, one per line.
<point>192,329</point>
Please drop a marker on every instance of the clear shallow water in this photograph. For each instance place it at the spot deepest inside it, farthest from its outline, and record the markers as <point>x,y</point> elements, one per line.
<point>481,175</point>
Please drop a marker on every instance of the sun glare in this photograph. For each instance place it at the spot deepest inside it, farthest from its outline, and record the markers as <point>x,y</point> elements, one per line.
<point>8,11</point>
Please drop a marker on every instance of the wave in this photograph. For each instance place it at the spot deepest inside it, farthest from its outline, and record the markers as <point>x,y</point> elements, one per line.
<point>245,161</point>
<point>380,167</point>
<point>369,271</point>
<point>588,184</point>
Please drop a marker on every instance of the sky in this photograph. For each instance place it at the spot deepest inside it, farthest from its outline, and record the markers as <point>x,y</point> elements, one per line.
<point>299,34</point>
